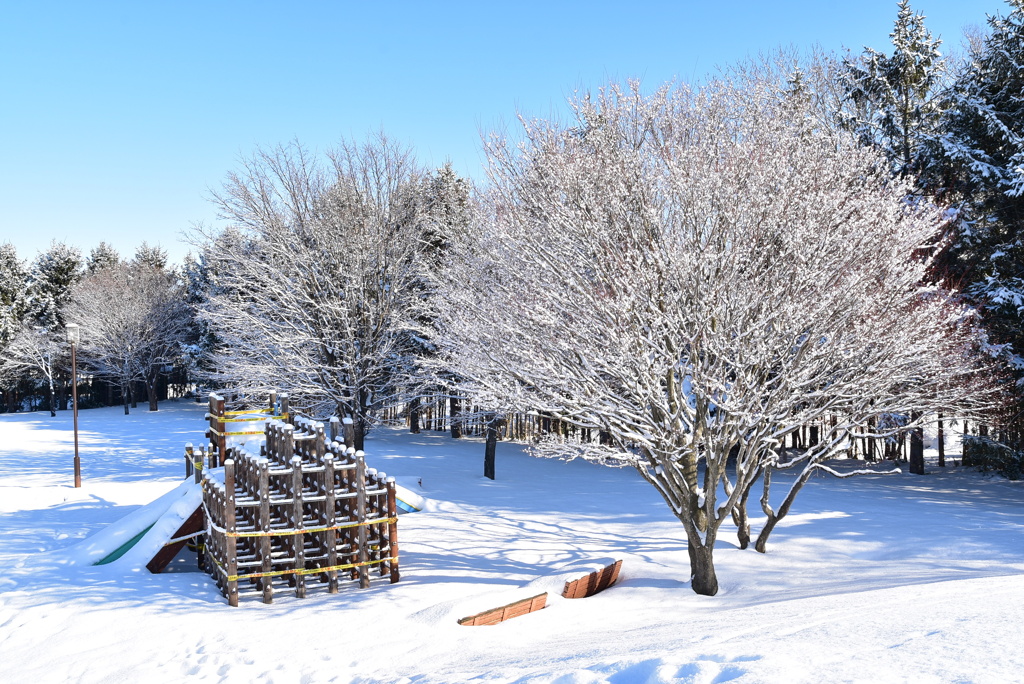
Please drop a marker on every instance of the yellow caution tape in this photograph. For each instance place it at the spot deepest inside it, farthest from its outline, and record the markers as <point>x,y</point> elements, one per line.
<point>232,434</point>
<point>300,571</point>
<point>305,530</point>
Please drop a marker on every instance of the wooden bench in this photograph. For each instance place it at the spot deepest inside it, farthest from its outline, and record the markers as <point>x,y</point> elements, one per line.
<point>591,584</point>
<point>496,615</point>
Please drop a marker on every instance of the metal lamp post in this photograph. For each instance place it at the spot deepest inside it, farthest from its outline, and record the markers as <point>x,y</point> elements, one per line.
<point>74,335</point>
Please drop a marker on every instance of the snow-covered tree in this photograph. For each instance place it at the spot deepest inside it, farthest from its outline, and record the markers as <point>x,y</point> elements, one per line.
<point>697,274</point>
<point>134,320</point>
<point>12,292</point>
<point>36,353</point>
<point>200,342</point>
<point>983,145</point>
<point>314,284</point>
<point>51,276</point>
<point>36,349</point>
<point>154,256</point>
<point>102,256</point>
<point>898,98</point>
<point>446,206</point>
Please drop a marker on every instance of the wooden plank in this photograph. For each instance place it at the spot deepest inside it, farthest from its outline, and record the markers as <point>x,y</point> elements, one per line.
<point>507,612</point>
<point>194,523</point>
<point>593,583</point>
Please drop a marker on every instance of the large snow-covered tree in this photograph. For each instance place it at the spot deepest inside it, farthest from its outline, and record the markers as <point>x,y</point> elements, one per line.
<point>697,273</point>
<point>134,319</point>
<point>315,286</point>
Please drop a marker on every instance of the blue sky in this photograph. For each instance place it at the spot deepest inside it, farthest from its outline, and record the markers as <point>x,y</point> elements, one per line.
<point>117,118</point>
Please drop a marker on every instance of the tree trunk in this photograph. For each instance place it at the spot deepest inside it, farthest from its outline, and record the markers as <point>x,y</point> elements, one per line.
<point>761,545</point>
<point>414,416</point>
<point>151,391</point>
<point>917,448</point>
<point>359,437</point>
<point>491,446</point>
<point>53,396</point>
<point>125,392</point>
<point>455,409</point>
<point>941,439</point>
<point>703,580</point>
<point>740,517</point>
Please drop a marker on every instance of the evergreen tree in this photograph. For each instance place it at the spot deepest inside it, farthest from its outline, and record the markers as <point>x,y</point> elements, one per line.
<point>154,257</point>
<point>897,97</point>
<point>12,292</point>
<point>12,308</point>
<point>983,158</point>
<point>101,257</point>
<point>37,349</point>
<point>445,221</point>
<point>200,340</point>
<point>51,277</point>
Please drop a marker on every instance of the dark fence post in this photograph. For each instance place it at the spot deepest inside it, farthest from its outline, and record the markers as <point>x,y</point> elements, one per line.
<point>490,446</point>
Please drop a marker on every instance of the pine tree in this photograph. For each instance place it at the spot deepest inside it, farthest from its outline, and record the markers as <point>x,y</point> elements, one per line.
<point>101,257</point>
<point>12,292</point>
<point>897,97</point>
<point>51,277</point>
<point>12,309</point>
<point>200,340</point>
<point>37,348</point>
<point>983,160</point>
<point>446,217</point>
<point>154,257</point>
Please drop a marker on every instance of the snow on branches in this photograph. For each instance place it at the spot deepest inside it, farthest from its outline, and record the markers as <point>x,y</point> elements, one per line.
<point>697,273</point>
<point>134,321</point>
<point>315,286</point>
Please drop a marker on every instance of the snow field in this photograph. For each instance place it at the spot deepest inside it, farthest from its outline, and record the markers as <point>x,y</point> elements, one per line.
<point>879,578</point>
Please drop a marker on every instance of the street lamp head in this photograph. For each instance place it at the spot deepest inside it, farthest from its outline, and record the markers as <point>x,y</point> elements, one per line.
<point>74,334</point>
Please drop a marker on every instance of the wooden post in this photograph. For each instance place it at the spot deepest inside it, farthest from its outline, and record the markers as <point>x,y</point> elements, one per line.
<point>273,402</point>
<point>231,543</point>
<point>374,533</point>
<point>331,536</point>
<point>351,534</point>
<point>393,530</point>
<point>490,446</point>
<point>218,439</point>
<point>350,433</point>
<point>266,565</point>
<point>364,575</point>
<point>189,461</point>
<point>335,428</point>
<point>286,411</point>
<point>297,544</point>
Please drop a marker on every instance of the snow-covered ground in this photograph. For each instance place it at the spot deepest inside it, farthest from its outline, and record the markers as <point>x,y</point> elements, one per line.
<point>873,579</point>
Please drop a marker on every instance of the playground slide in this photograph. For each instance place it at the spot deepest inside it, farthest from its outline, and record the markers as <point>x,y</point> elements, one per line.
<point>407,500</point>
<point>143,537</point>
<point>135,540</point>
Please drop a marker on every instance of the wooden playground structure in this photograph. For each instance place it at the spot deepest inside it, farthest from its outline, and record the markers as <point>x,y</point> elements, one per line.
<point>304,512</point>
